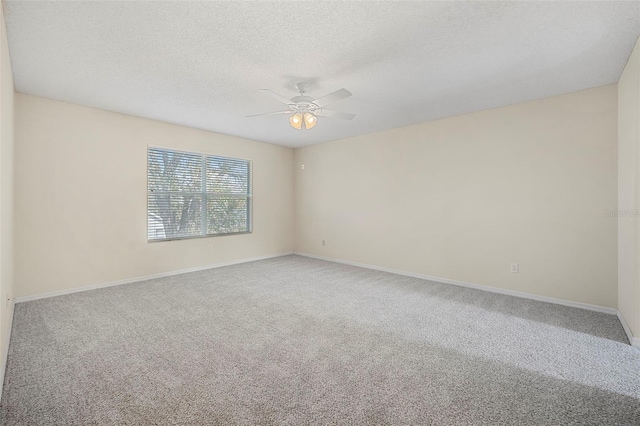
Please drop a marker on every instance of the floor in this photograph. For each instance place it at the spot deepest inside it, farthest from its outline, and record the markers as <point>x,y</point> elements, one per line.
<point>294,340</point>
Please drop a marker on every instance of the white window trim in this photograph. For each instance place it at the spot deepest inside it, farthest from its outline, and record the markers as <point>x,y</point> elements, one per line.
<point>204,194</point>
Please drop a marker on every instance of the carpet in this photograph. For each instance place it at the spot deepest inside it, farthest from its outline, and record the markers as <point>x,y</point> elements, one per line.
<point>294,340</point>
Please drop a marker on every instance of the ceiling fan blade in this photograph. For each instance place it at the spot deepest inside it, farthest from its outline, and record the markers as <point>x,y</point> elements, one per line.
<point>276,96</point>
<point>336,114</point>
<point>332,97</point>
<point>271,113</point>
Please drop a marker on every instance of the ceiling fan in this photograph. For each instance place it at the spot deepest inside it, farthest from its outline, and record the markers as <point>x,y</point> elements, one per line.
<point>305,110</point>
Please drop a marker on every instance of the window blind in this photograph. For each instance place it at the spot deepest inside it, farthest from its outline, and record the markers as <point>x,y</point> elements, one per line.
<point>193,195</point>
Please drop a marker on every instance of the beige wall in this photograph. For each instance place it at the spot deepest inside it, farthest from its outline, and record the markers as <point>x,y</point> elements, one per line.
<point>6,196</point>
<point>629,192</point>
<point>81,191</point>
<point>462,198</point>
<point>459,198</point>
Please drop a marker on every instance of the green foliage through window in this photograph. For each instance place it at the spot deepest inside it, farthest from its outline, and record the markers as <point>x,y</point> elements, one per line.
<point>195,195</point>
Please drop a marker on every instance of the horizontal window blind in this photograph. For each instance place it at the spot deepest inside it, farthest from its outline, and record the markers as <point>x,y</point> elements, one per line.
<point>195,195</point>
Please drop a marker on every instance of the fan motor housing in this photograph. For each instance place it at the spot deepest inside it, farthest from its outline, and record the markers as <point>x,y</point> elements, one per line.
<point>303,104</point>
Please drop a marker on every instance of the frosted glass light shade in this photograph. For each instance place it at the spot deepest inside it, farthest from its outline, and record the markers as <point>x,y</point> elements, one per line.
<point>296,121</point>
<point>310,120</point>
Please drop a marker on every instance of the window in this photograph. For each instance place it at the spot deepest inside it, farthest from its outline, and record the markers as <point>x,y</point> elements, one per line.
<point>194,195</point>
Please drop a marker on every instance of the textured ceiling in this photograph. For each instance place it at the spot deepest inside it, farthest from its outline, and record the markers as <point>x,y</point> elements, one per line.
<point>199,64</point>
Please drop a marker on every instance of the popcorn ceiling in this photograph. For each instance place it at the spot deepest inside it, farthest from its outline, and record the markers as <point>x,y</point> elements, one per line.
<point>199,64</point>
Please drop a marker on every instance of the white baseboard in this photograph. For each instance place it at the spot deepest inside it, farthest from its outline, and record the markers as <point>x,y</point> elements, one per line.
<point>635,341</point>
<point>564,302</point>
<point>143,278</point>
<point>5,355</point>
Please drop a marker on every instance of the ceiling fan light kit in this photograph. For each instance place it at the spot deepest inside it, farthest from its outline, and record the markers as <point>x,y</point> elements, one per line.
<point>305,110</point>
<point>301,121</point>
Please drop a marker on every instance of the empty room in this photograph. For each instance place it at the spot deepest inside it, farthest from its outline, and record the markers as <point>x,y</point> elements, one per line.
<point>320,212</point>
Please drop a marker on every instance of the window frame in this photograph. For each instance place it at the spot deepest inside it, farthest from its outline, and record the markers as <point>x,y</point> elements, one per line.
<point>203,194</point>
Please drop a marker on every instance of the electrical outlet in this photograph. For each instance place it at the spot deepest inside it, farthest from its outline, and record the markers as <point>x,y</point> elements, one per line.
<point>514,268</point>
